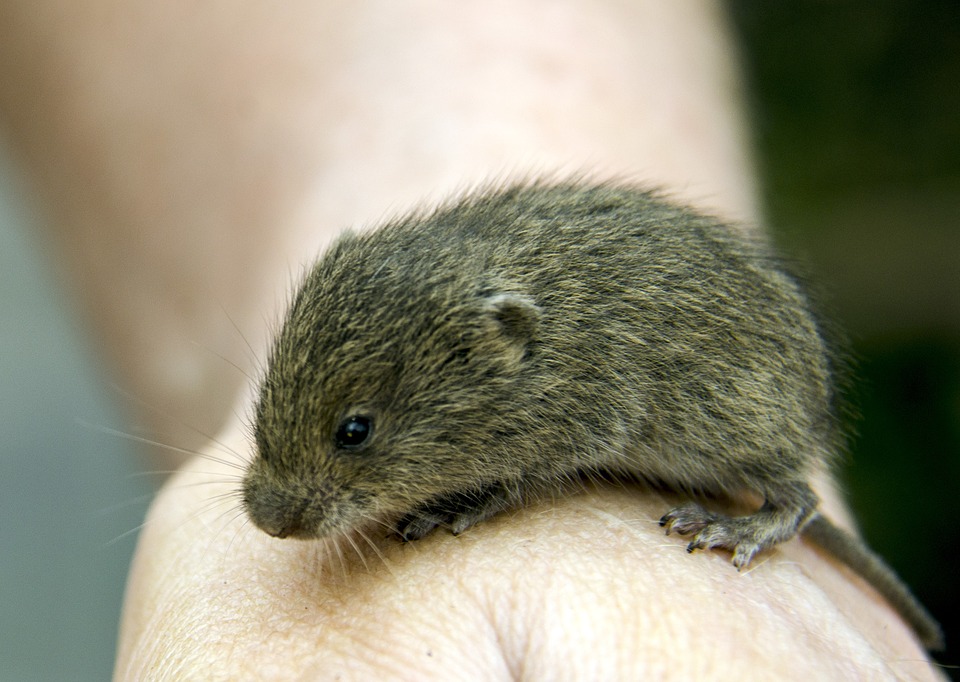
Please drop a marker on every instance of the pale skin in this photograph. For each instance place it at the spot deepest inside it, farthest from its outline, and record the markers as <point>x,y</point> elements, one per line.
<point>193,157</point>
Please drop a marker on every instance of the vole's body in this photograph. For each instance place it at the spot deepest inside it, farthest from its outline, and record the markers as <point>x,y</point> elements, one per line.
<point>452,363</point>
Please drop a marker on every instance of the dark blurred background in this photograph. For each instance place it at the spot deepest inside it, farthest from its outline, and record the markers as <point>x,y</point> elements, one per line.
<point>856,111</point>
<point>856,121</point>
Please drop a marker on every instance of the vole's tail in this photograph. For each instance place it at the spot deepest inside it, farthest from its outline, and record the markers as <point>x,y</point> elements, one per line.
<point>866,563</point>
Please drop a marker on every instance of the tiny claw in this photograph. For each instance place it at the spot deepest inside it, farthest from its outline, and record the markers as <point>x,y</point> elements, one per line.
<point>743,558</point>
<point>413,527</point>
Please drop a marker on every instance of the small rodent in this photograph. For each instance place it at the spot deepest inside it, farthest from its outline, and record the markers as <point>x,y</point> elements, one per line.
<point>453,363</point>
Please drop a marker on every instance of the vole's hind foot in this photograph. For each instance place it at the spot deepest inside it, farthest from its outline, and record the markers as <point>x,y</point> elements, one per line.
<point>711,530</point>
<point>458,512</point>
<point>745,536</point>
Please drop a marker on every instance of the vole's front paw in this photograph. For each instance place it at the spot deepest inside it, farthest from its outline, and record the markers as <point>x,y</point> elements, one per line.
<point>458,512</point>
<point>715,530</point>
<point>414,526</point>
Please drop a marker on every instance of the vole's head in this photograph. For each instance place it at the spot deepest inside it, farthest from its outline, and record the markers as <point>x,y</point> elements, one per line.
<point>388,386</point>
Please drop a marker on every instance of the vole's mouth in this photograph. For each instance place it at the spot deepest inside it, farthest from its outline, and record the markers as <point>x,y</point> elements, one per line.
<point>281,517</point>
<point>293,529</point>
<point>285,527</point>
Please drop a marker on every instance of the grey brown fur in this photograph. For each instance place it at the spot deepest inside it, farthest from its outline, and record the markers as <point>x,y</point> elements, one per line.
<point>520,338</point>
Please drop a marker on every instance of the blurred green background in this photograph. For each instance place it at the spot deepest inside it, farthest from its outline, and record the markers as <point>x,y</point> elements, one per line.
<point>856,114</point>
<point>856,121</point>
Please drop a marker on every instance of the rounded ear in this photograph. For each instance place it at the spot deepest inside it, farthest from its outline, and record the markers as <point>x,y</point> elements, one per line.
<point>515,317</point>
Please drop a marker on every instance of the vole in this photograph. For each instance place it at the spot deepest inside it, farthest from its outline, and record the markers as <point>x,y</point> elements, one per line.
<point>455,362</point>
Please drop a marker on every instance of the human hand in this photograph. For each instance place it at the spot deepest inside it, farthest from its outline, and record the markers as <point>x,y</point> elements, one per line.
<point>583,587</point>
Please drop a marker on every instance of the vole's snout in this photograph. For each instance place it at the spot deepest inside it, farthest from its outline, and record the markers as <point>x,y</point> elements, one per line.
<point>287,524</point>
<point>290,528</point>
<point>278,512</point>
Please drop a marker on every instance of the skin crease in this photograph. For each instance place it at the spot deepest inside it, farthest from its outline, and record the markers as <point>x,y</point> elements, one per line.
<point>284,122</point>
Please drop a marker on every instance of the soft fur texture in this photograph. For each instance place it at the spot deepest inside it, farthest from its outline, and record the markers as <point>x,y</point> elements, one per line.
<point>520,338</point>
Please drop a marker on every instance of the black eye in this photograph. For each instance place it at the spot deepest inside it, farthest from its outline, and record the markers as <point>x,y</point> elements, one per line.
<point>353,431</point>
